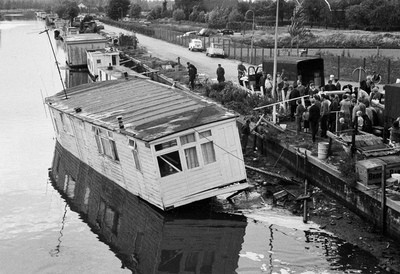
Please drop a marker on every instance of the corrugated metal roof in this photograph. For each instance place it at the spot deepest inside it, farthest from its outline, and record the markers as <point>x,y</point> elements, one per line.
<point>149,110</point>
<point>84,38</point>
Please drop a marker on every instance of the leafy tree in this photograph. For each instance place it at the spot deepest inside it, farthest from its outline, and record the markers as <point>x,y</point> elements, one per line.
<point>243,7</point>
<point>67,10</point>
<point>296,28</point>
<point>195,13</point>
<point>217,18</point>
<point>117,9</point>
<point>179,15</point>
<point>234,16</point>
<point>135,11</point>
<point>164,6</point>
<point>201,17</point>
<point>314,10</point>
<point>155,13</point>
<point>187,5</point>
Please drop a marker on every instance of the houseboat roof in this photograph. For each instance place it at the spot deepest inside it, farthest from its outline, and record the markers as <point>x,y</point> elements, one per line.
<point>118,70</point>
<point>149,110</point>
<point>84,38</point>
<point>103,50</point>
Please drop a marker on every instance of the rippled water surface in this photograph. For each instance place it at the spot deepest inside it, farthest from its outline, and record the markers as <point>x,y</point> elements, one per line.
<point>71,225</point>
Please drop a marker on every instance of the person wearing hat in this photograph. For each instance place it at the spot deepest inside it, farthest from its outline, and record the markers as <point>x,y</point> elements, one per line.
<point>375,95</point>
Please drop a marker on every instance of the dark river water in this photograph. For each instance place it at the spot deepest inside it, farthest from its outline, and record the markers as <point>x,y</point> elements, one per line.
<point>80,222</point>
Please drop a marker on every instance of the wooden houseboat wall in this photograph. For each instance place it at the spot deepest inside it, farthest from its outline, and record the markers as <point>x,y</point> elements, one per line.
<point>117,72</point>
<point>77,45</point>
<point>206,241</point>
<point>175,169</point>
<point>101,57</point>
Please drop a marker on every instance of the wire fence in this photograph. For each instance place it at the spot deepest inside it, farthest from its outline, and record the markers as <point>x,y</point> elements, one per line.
<point>342,66</point>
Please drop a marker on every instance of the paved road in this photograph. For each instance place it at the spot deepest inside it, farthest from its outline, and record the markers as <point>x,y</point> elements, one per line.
<point>167,51</point>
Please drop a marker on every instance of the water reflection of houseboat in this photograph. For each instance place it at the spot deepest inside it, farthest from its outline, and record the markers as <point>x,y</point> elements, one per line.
<point>144,238</point>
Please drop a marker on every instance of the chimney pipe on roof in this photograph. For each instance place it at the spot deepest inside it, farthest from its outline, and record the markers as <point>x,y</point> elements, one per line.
<point>120,122</point>
<point>109,66</point>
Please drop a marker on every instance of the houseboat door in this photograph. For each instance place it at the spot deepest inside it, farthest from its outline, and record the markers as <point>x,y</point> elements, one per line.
<point>232,166</point>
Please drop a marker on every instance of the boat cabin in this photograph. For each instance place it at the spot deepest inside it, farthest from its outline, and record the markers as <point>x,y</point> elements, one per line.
<point>296,68</point>
<point>107,73</point>
<point>101,57</point>
<point>165,145</point>
<point>77,45</point>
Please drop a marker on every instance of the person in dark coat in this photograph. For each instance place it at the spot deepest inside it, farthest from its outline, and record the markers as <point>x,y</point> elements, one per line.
<point>220,74</point>
<point>294,93</point>
<point>300,109</point>
<point>192,70</point>
<point>245,135</point>
<point>313,118</point>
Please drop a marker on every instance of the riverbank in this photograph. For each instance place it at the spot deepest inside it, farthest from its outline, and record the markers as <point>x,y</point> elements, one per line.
<point>326,212</point>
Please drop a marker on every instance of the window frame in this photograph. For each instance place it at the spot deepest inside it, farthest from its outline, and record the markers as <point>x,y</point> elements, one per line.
<point>183,145</point>
<point>135,154</point>
<point>105,142</point>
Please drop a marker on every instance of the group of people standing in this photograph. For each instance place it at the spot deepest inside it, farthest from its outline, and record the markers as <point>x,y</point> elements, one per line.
<point>192,71</point>
<point>319,111</point>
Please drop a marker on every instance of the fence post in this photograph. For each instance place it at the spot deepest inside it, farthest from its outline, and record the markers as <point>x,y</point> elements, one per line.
<point>234,50</point>
<point>270,52</point>
<point>338,67</point>
<point>388,79</point>
<point>364,61</point>
<point>262,55</point>
<point>241,51</point>
<point>248,50</point>
<point>229,48</point>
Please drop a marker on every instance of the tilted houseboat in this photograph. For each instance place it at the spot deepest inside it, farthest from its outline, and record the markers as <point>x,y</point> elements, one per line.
<point>168,146</point>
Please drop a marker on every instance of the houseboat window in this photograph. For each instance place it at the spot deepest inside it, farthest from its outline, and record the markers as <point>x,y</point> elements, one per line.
<point>114,60</point>
<point>169,163</point>
<point>191,157</point>
<point>135,153</point>
<point>205,134</point>
<point>98,61</point>
<point>66,123</point>
<point>165,145</point>
<point>105,145</point>
<point>208,152</point>
<point>55,123</point>
<point>190,138</point>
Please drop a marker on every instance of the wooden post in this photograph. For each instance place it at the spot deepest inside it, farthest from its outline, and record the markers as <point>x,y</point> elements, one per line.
<point>364,62</point>
<point>270,52</point>
<point>305,203</point>
<point>338,67</point>
<point>248,53</point>
<point>353,137</point>
<point>383,199</point>
<point>262,55</point>
<point>388,72</point>
<point>229,48</point>
<point>234,50</point>
<point>241,51</point>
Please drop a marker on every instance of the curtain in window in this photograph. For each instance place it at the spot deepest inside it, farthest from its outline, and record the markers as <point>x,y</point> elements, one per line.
<point>191,157</point>
<point>188,139</point>
<point>208,152</point>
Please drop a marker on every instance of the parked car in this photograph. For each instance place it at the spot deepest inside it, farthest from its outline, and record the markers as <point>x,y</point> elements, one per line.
<point>227,32</point>
<point>206,32</point>
<point>215,49</point>
<point>187,34</point>
<point>196,44</point>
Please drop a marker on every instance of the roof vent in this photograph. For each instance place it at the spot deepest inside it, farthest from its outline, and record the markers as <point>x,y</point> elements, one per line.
<point>120,122</point>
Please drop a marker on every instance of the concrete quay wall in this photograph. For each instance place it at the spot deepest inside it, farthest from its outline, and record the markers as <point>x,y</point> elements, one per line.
<point>364,201</point>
